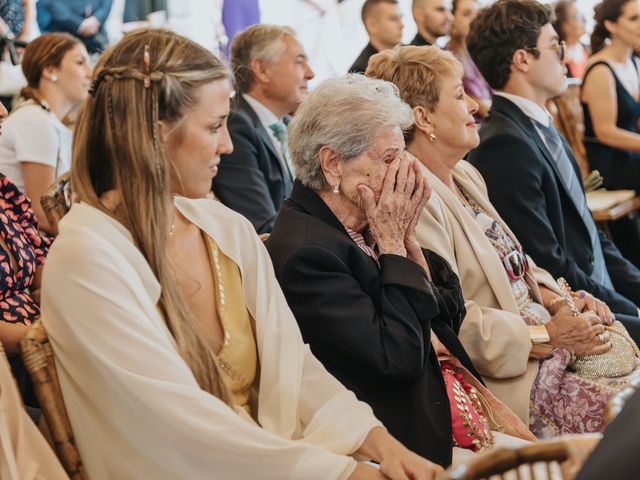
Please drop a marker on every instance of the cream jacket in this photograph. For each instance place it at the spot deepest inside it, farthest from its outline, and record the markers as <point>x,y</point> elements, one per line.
<point>493,333</point>
<point>135,407</point>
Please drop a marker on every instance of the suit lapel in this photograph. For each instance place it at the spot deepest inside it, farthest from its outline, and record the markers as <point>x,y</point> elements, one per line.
<point>511,110</point>
<point>486,256</point>
<point>266,140</point>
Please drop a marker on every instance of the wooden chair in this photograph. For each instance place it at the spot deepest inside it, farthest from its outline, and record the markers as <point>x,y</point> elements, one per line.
<point>558,459</point>
<point>618,401</point>
<point>37,355</point>
<point>57,201</point>
<point>568,118</point>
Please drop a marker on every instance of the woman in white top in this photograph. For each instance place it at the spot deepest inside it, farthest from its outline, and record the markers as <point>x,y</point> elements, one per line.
<point>177,353</point>
<point>35,146</point>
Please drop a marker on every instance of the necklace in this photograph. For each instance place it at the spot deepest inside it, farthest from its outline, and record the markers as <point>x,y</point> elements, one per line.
<point>172,229</point>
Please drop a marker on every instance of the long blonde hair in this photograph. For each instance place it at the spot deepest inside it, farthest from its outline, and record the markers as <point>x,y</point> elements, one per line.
<point>148,77</point>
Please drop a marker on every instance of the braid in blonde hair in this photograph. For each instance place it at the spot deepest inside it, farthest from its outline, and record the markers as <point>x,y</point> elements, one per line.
<point>117,147</point>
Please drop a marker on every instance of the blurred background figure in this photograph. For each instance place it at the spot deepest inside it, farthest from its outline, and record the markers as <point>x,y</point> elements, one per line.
<point>238,15</point>
<point>433,19</point>
<point>81,18</point>
<point>35,147</point>
<point>464,11</point>
<point>383,21</point>
<point>610,92</point>
<point>570,27</point>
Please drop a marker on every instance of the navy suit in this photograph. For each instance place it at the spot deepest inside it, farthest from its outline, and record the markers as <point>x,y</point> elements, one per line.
<point>252,180</point>
<point>67,15</point>
<point>526,188</point>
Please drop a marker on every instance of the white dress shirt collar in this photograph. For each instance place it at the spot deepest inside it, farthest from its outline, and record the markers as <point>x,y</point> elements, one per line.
<point>530,108</point>
<point>266,116</point>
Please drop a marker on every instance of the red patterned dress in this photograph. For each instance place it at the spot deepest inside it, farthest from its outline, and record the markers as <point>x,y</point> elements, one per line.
<point>19,231</point>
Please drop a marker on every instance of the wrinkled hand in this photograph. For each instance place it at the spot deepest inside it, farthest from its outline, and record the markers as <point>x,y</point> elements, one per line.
<point>403,192</point>
<point>578,334</point>
<point>414,251</point>
<point>588,303</point>
<point>89,27</point>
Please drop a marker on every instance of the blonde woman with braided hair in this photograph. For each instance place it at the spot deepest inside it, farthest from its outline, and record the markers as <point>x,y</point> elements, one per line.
<point>177,353</point>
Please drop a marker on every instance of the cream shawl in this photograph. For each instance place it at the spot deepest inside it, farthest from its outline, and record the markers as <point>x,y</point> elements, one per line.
<point>24,453</point>
<point>135,407</point>
<point>493,333</point>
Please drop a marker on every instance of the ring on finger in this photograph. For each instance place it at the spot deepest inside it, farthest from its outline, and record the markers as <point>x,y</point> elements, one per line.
<point>602,338</point>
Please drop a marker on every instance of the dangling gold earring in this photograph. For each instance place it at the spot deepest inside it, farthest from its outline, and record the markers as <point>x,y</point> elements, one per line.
<point>336,188</point>
<point>432,137</point>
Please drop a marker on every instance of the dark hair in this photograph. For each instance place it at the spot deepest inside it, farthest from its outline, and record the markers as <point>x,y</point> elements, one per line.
<point>369,5</point>
<point>561,10</point>
<point>45,51</point>
<point>609,10</point>
<point>501,29</point>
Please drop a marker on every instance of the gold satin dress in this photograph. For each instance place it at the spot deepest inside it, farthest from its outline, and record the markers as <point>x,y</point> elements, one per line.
<point>238,357</point>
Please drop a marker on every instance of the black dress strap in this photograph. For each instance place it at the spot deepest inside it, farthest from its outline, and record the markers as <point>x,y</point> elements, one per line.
<point>601,62</point>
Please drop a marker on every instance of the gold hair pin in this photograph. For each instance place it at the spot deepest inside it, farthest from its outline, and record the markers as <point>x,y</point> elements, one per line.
<point>147,67</point>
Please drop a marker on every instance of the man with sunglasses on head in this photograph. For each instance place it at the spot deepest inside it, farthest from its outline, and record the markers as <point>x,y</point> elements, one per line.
<point>531,173</point>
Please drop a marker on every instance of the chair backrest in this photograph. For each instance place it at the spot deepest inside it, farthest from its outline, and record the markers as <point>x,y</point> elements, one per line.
<point>557,459</point>
<point>37,355</point>
<point>568,118</point>
<point>57,201</point>
<point>619,399</point>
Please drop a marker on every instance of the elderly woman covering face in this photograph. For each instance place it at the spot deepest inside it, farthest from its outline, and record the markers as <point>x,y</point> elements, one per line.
<point>518,331</point>
<point>381,313</point>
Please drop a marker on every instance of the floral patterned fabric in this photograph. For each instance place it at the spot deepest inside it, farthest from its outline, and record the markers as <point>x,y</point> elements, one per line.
<point>561,402</point>
<point>19,231</point>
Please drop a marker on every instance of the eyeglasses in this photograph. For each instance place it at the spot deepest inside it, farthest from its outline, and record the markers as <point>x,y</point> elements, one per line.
<point>515,264</point>
<point>560,48</point>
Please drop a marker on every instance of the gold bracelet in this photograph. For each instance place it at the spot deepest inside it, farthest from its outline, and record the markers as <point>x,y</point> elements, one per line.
<point>555,300</point>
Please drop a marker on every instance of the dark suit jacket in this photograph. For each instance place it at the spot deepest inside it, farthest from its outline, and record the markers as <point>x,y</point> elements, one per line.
<point>360,65</point>
<point>526,188</point>
<point>616,456</point>
<point>252,180</point>
<point>370,325</point>
<point>420,41</point>
<point>67,15</point>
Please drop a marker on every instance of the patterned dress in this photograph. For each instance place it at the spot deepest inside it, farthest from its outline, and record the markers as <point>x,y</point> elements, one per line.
<point>19,232</point>
<point>561,401</point>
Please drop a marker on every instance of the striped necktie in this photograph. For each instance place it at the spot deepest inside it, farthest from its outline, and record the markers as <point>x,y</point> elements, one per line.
<point>279,130</point>
<point>573,183</point>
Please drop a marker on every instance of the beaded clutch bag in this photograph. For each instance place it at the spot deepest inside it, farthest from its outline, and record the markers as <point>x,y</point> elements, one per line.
<point>619,361</point>
<point>469,423</point>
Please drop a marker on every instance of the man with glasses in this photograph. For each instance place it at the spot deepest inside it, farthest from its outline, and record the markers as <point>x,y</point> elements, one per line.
<point>531,174</point>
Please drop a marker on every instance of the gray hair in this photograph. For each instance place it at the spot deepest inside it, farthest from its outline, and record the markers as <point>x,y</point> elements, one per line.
<point>343,113</point>
<point>263,42</point>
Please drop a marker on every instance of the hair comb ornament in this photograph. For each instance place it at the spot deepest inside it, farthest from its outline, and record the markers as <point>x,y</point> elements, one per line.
<point>147,67</point>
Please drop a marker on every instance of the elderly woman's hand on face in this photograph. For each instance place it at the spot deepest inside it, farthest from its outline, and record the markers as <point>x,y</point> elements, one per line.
<point>392,219</point>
